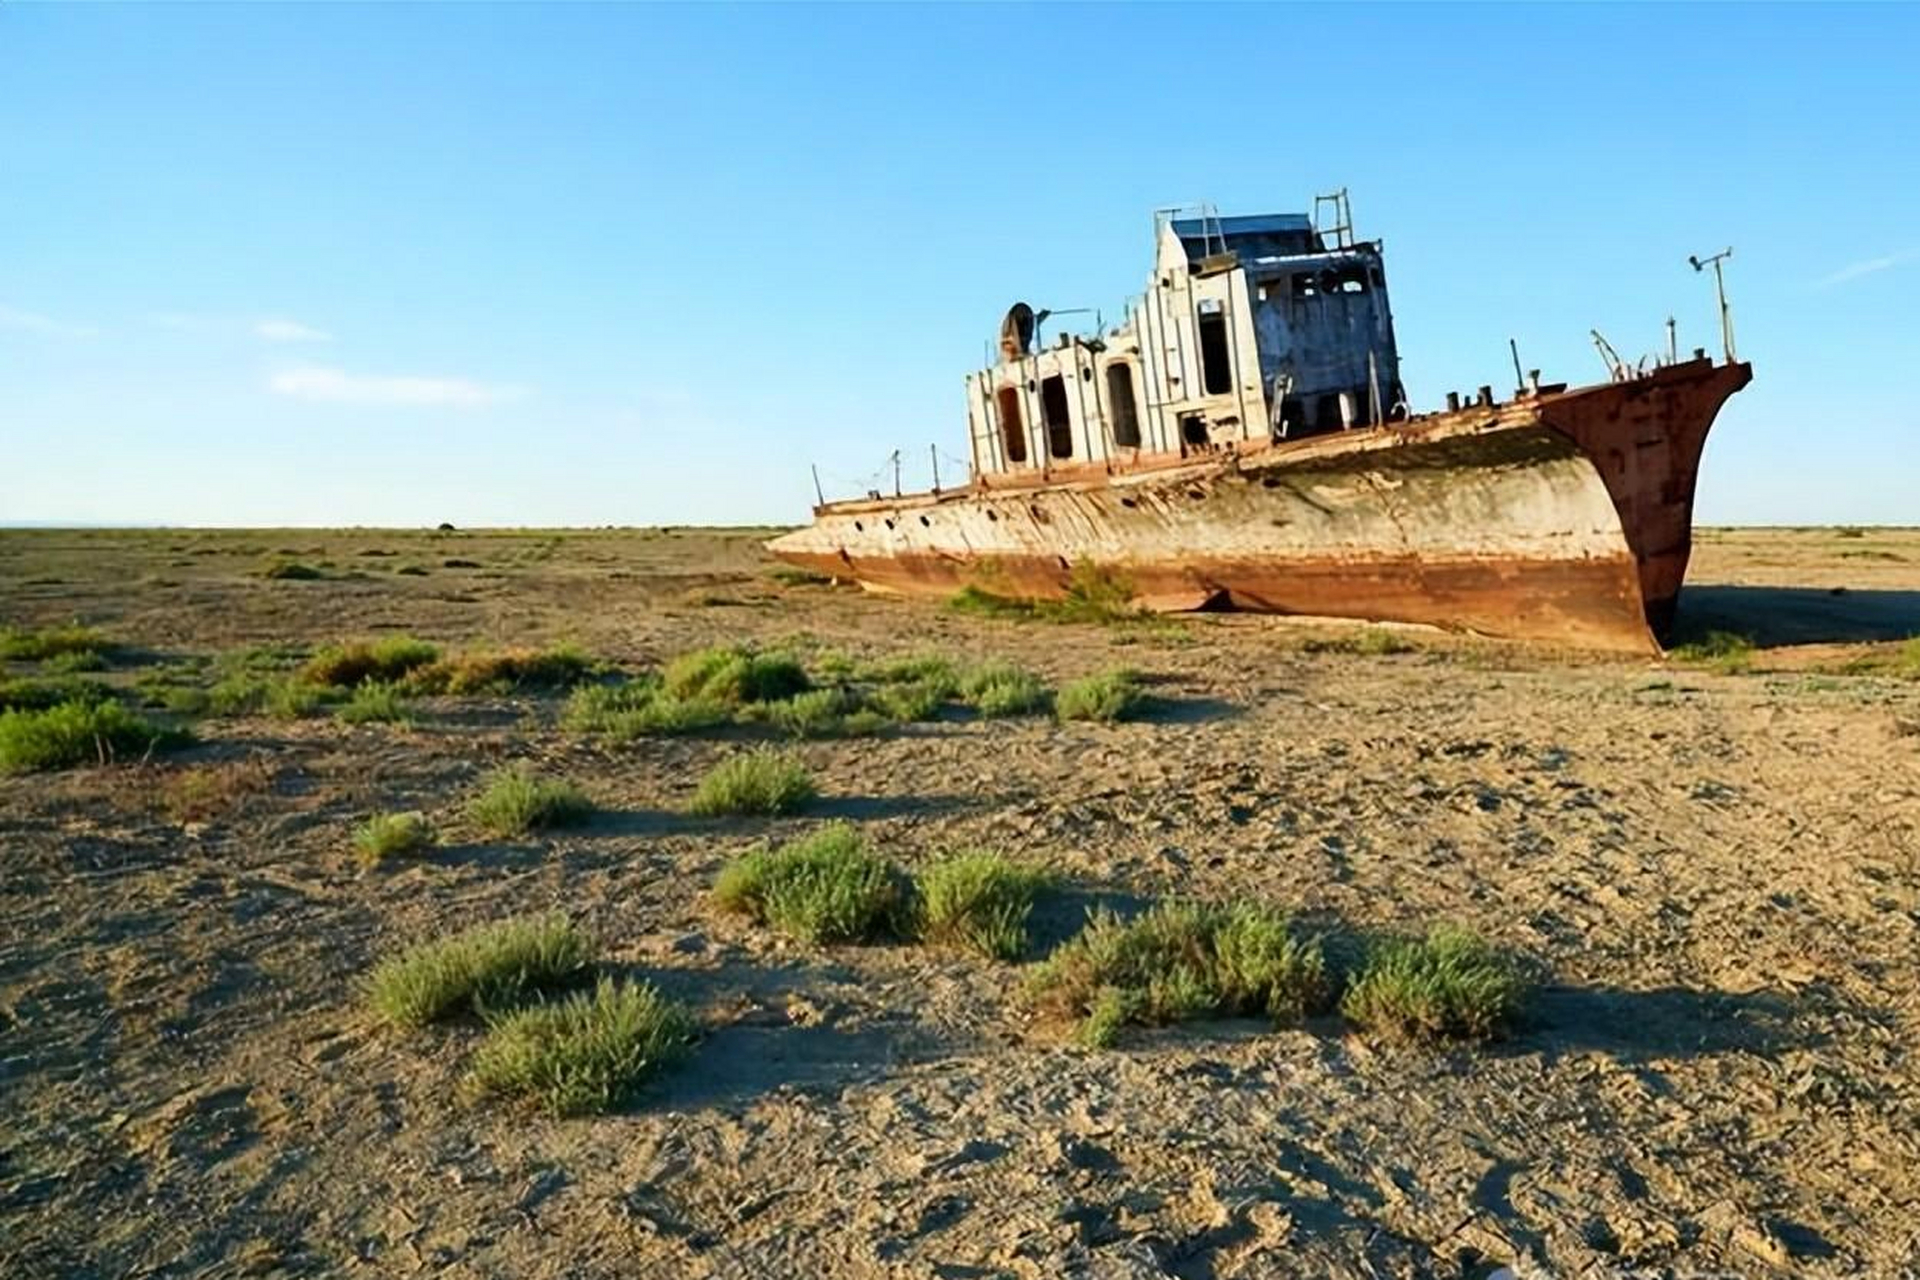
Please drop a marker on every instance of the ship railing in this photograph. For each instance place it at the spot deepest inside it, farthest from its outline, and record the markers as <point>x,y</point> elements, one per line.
<point>902,472</point>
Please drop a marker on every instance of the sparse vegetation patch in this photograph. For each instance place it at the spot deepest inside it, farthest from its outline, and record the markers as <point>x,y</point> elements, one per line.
<point>487,967</point>
<point>33,695</point>
<point>23,645</point>
<point>1366,642</point>
<point>583,1054</point>
<point>997,689</point>
<point>640,708</point>
<point>386,836</point>
<point>1727,652</point>
<point>389,659</point>
<point>735,675</point>
<point>79,731</point>
<point>978,901</point>
<point>515,801</point>
<point>502,671</point>
<point>760,781</point>
<point>1448,985</point>
<point>1179,961</point>
<point>1108,696</point>
<point>821,889</point>
<point>375,702</point>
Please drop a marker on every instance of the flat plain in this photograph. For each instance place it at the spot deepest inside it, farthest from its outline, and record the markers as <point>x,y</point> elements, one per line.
<point>1709,864</point>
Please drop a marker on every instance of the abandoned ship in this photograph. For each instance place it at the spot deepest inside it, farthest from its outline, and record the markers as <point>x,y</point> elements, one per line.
<point>1243,440</point>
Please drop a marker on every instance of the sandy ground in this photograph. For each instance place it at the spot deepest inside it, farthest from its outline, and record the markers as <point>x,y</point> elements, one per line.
<point>1715,873</point>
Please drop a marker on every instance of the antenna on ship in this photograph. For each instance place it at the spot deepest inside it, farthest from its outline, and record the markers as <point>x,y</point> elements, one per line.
<point>1616,367</point>
<point>1720,288</point>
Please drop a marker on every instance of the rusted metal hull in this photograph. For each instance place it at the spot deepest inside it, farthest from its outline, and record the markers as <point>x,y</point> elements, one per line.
<point>1563,517</point>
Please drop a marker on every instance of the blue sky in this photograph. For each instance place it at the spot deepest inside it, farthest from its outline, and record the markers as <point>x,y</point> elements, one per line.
<point>359,264</point>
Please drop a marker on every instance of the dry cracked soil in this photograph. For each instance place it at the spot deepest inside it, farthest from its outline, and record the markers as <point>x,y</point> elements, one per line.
<point>1712,872</point>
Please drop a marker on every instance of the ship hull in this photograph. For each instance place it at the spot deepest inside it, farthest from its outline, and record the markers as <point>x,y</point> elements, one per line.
<point>1564,517</point>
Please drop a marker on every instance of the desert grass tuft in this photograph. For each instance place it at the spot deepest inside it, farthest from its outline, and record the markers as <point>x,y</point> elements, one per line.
<point>1727,652</point>
<point>735,675</point>
<point>1448,985</point>
<point>1180,961</point>
<point>24,645</point>
<point>1094,595</point>
<point>639,709</point>
<point>584,1054</point>
<point>503,671</point>
<point>980,902</point>
<point>1108,696</point>
<point>291,571</point>
<point>29,694</point>
<point>386,836</point>
<point>389,659</point>
<point>375,702</point>
<point>486,967</point>
<point>998,689</point>
<point>826,713</point>
<point>74,661</point>
<point>79,731</point>
<point>760,781</point>
<point>823,888</point>
<point>515,801</point>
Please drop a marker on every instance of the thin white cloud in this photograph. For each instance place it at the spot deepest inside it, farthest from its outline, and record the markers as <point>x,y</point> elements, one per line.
<point>290,331</point>
<point>337,386</point>
<point>1871,266</point>
<point>34,322</point>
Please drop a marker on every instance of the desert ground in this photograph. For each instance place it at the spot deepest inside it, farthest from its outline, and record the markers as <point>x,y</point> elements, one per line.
<point>1711,865</point>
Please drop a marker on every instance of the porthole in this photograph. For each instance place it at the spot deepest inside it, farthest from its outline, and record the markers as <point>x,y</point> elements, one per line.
<point>991,517</point>
<point>925,523</point>
<point>858,527</point>
<point>1197,495</point>
<point>1040,516</point>
<point>1128,503</point>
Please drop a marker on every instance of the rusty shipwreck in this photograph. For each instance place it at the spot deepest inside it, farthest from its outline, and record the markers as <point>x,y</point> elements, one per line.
<point>1242,439</point>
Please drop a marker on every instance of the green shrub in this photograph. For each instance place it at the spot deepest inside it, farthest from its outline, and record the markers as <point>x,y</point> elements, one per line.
<point>1093,594</point>
<point>291,571</point>
<point>515,802</point>
<point>392,835</point>
<point>1725,651</point>
<point>389,659</point>
<point>1449,984</point>
<point>1179,961</point>
<point>979,901</point>
<point>74,660</point>
<point>919,668</point>
<point>997,689</point>
<point>37,695</point>
<point>914,700</point>
<point>735,675</point>
<point>1110,695</point>
<point>638,709</point>
<point>375,702</point>
<point>23,645</point>
<point>820,889</point>
<point>825,713</point>
<point>760,781</point>
<point>583,1054</point>
<point>503,671</point>
<point>486,967</point>
<point>80,731</point>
